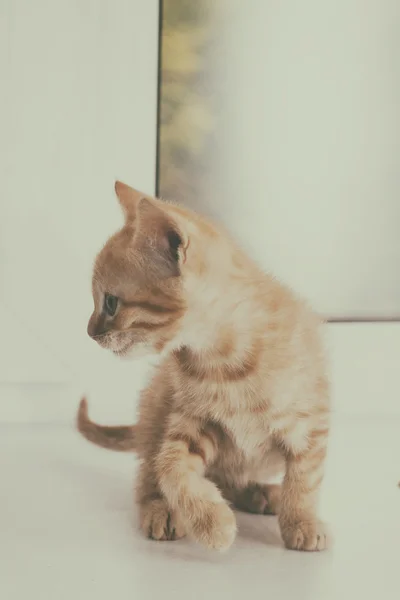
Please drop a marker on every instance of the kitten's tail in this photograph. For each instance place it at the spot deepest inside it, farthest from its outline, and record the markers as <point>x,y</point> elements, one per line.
<point>120,438</point>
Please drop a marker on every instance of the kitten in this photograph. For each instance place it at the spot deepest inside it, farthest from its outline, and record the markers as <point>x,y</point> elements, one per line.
<point>241,394</point>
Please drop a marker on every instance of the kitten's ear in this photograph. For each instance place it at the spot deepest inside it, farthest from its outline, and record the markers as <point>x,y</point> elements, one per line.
<point>129,199</point>
<point>160,236</point>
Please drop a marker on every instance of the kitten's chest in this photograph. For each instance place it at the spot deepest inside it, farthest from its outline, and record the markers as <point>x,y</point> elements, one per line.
<point>237,407</point>
<point>237,410</point>
<point>249,433</point>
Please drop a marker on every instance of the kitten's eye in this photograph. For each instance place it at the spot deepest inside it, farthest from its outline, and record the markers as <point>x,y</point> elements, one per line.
<point>110,304</point>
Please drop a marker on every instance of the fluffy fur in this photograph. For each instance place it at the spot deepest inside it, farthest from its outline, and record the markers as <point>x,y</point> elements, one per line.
<point>241,394</point>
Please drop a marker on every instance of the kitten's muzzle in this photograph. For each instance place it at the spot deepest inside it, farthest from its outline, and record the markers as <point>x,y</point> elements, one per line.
<point>96,329</point>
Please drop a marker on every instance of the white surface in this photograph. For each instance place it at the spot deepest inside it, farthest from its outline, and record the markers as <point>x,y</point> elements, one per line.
<point>306,156</point>
<point>68,527</point>
<point>364,365</point>
<point>78,109</point>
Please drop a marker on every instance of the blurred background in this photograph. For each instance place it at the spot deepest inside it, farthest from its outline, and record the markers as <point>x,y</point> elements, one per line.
<point>280,119</point>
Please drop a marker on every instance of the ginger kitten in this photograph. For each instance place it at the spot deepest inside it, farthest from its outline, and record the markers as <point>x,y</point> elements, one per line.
<point>241,394</point>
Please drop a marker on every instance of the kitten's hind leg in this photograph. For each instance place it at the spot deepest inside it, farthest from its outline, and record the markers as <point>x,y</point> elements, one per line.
<point>260,499</point>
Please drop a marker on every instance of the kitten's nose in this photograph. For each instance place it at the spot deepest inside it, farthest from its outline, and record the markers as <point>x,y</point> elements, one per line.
<point>95,327</point>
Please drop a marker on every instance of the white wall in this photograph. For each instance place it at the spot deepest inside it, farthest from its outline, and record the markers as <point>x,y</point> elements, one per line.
<point>307,149</point>
<point>79,102</point>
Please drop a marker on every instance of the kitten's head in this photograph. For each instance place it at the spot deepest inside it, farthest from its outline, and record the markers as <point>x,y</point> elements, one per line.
<point>137,281</point>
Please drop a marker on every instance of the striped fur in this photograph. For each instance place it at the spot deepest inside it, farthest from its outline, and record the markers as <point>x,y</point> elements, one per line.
<point>241,394</point>
<point>121,438</point>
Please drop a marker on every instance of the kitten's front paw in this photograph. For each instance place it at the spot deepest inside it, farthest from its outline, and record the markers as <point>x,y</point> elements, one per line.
<point>310,536</point>
<point>159,523</point>
<point>214,526</point>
